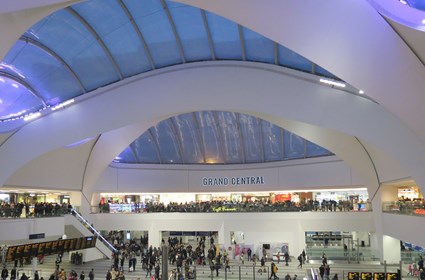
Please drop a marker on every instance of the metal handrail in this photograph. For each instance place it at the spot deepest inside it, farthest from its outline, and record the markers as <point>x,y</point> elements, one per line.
<point>92,229</point>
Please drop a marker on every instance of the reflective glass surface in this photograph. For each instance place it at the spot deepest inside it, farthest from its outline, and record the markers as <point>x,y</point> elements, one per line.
<point>94,43</point>
<point>217,137</point>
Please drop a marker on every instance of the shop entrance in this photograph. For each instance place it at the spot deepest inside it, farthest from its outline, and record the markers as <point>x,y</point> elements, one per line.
<point>193,238</point>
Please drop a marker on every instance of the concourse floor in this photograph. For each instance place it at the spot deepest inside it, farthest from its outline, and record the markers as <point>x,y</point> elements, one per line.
<point>237,270</point>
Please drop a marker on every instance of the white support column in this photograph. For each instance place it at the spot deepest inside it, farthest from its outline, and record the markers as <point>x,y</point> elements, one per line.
<point>385,193</point>
<point>392,253</point>
<point>154,239</point>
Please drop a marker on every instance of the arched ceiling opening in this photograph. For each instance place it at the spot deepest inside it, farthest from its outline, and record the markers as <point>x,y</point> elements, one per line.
<point>217,137</point>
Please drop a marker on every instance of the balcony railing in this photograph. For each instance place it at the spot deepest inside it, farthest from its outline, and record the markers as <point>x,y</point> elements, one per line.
<point>412,208</point>
<point>212,207</point>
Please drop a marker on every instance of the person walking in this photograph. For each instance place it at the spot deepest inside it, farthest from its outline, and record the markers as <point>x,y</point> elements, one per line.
<point>4,273</point>
<point>91,274</point>
<point>300,259</point>
<point>286,258</point>
<point>273,269</point>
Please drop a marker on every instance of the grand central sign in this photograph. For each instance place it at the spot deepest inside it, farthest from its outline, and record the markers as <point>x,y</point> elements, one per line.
<point>232,181</point>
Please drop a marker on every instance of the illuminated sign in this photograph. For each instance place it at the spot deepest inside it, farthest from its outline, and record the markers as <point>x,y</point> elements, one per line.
<point>232,181</point>
<point>353,276</point>
<point>366,276</point>
<point>378,276</point>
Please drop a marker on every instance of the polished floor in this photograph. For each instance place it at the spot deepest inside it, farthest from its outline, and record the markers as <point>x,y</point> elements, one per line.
<point>237,271</point>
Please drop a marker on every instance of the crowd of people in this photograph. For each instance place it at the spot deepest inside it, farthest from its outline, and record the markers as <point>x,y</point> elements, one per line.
<point>39,209</point>
<point>246,206</point>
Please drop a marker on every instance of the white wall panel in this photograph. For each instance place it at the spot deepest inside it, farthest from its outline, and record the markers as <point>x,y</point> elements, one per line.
<point>20,229</point>
<point>289,175</point>
<point>258,227</point>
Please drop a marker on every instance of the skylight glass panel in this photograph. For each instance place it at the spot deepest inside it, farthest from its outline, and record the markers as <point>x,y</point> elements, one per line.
<point>146,149</point>
<point>294,146</point>
<point>313,150</point>
<point>225,37</point>
<point>192,33</point>
<point>104,16</point>
<point>46,75</point>
<point>155,27</point>
<point>168,144</point>
<point>251,135</point>
<point>77,46</point>
<point>272,141</point>
<point>210,136</point>
<point>190,138</point>
<point>127,156</point>
<point>290,59</point>
<point>417,4</point>
<point>257,47</point>
<point>323,72</point>
<point>230,137</point>
<point>114,27</point>
<point>16,100</point>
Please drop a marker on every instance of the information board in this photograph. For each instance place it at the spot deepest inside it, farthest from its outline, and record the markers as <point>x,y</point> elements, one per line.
<point>391,276</point>
<point>41,247</point>
<point>353,276</point>
<point>11,252</point>
<point>28,251</point>
<point>366,275</point>
<point>34,250</point>
<point>378,276</point>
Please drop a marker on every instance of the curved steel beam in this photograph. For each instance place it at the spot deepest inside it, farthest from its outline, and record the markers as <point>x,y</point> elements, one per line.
<point>43,47</point>
<point>173,26</point>
<point>139,33</point>
<point>98,39</point>
<point>207,29</point>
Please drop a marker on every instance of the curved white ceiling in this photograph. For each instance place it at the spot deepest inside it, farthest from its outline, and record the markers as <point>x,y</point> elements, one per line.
<point>239,84</point>
<point>359,46</point>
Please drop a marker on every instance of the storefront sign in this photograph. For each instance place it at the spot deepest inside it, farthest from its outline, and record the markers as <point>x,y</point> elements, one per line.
<point>420,211</point>
<point>233,181</point>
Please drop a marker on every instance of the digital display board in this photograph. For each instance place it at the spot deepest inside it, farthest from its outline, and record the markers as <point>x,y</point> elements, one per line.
<point>378,276</point>
<point>10,256</point>
<point>78,244</point>
<point>34,250</point>
<point>60,245</point>
<point>41,247</point>
<point>366,276</point>
<point>19,251</point>
<point>391,276</point>
<point>353,276</point>
<point>54,250</point>
<point>66,245</point>
<point>48,248</point>
<point>27,251</point>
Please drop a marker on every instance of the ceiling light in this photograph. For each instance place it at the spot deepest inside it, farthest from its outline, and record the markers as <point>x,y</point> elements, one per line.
<point>423,21</point>
<point>32,116</point>
<point>15,85</point>
<point>332,83</point>
<point>61,105</point>
<point>361,92</point>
